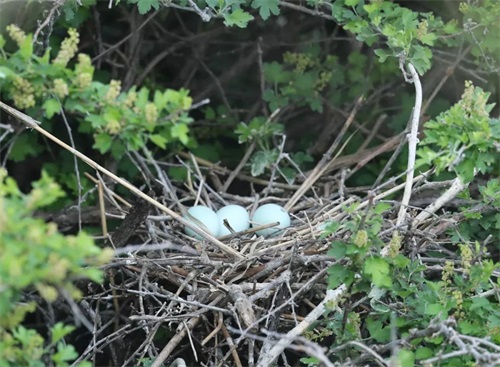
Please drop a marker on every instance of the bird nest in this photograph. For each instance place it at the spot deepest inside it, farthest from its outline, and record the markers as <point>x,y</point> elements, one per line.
<point>228,300</point>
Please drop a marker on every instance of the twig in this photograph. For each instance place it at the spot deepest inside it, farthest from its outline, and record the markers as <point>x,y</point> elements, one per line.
<point>230,343</point>
<point>332,296</point>
<point>306,10</point>
<point>49,21</point>
<point>240,166</point>
<point>457,186</point>
<point>75,163</point>
<point>323,164</point>
<point>125,38</point>
<point>205,14</point>
<point>262,80</point>
<point>449,72</point>
<point>177,338</point>
<point>220,322</point>
<point>102,209</point>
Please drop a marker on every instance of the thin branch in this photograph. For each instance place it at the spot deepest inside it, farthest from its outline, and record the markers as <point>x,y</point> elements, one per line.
<point>325,162</point>
<point>240,166</point>
<point>332,297</point>
<point>457,186</point>
<point>412,144</point>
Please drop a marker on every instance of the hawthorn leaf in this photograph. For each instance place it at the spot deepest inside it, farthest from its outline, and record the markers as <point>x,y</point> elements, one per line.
<point>266,7</point>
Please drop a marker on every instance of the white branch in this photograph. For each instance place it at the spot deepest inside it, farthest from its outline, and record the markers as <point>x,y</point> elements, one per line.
<point>412,144</point>
<point>332,295</point>
<point>456,187</point>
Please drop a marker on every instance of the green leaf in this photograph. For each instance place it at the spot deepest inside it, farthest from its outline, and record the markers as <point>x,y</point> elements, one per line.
<point>2,41</point>
<point>377,330</point>
<point>213,3</point>
<point>406,358</point>
<point>102,142</point>
<point>26,49</point>
<point>401,261</point>
<point>64,353</point>
<point>381,208</point>
<point>435,309</point>
<point>180,131</point>
<point>159,140</point>
<point>428,39</point>
<point>266,7</point>
<point>382,55</point>
<point>370,8</point>
<point>338,249</point>
<point>145,5</point>
<point>466,170</point>
<point>59,331</point>
<point>160,100</point>
<point>238,18</point>
<point>424,353</point>
<point>51,107</point>
<point>316,105</point>
<point>310,361</point>
<point>338,274</point>
<point>262,160</point>
<point>25,145</point>
<point>421,59</point>
<point>51,191</point>
<point>5,72</point>
<point>351,2</point>
<point>142,97</point>
<point>274,72</point>
<point>378,269</point>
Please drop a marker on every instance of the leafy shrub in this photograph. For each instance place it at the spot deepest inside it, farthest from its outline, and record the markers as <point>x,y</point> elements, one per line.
<point>35,256</point>
<point>117,120</point>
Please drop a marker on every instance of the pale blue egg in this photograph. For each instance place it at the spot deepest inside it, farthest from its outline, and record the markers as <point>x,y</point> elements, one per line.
<point>237,217</point>
<point>207,217</point>
<point>270,213</point>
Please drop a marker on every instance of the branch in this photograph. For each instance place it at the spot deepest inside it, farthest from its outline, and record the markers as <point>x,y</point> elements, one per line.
<point>393,246</point>
<point>332,296</point>
<point>457,186</point>
<point>412,144</point>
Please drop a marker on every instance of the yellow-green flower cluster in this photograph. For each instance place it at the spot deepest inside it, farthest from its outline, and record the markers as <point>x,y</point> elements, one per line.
<point>68,48</point>
<point>84,71</point>
<point>394,245</point>
<point>130,99</point>
<point>84,63</point>
<point>460,301</point>
<point>300,60</point>
<point>23,93</point>
<point>474,100</point>
<point>16,33</point>
<point>83,80</point>
<point>113,127</point>
<point>466,255</point>
<point>322,81</point>
<point>463,7</point>
<point>60,88</point>
<point>151,113</point>
<point>115,87</point>
<point>448,270</point>
<point>48,292</point>
<point>361,239</point>
<point>422,28</point>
